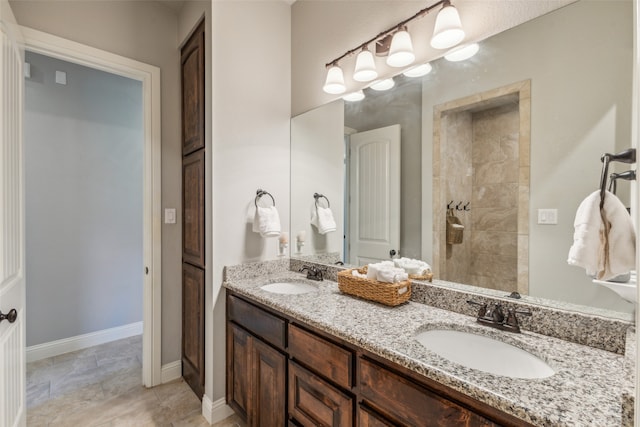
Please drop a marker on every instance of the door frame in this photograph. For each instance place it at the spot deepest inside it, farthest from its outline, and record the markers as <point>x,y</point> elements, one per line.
<point>149,75</point>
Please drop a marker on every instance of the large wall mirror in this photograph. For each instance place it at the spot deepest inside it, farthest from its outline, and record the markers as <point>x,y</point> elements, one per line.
<point>488,144</point>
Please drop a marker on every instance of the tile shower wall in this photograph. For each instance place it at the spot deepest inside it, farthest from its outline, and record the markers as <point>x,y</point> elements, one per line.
<point>458,161</point>
<point>494,218</point>
<point>482,160</point>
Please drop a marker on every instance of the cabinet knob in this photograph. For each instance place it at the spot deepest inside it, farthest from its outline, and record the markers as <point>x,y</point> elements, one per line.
<point>11,316</point>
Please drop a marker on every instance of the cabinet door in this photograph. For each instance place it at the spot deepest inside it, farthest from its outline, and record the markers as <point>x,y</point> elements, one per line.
<point>193,327</point>
<point>238,369</point>
<point>193,209</point>
<point>313,402</point>
<point>268,408</point>
<point>193,94</point>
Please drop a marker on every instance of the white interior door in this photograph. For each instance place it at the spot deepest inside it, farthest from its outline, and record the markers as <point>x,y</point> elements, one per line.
<point>374,186</point>
<point>12,287</point>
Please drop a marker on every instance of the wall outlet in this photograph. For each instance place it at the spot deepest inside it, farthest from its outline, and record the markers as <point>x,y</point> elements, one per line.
<point>170,216</point>
<point>548,216</point>
<point>61,77</point>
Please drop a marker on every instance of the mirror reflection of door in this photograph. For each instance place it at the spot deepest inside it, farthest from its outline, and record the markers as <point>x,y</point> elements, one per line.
<point>374,202</point>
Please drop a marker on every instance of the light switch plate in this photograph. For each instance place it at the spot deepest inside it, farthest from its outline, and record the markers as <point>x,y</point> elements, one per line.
<point>61,77</point>
<point>548,216</point>
<point>170,216</point>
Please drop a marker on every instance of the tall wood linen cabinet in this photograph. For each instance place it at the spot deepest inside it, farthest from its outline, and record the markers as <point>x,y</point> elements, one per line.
<point>193,210</point>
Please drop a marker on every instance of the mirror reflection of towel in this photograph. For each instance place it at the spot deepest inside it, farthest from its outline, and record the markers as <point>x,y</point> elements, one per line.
<point>604,243</point>
<point>267,221</point>
<point>322,219</point>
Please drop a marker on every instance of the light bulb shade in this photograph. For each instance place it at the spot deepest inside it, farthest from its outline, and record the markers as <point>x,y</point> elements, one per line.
<point>354,96</point>
<point>385,84</point>
<point>365,70</point>
<point>401,50</point>
<point>448,30</point>
<point>462,53</point>
<point>334,84</point>
<point>418,70</point>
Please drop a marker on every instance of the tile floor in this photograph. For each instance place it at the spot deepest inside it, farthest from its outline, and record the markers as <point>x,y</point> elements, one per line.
<point>101,386</point>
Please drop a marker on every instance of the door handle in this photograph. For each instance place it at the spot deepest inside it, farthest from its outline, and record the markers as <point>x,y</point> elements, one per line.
<point>392,253</point>
<point>11,316</point>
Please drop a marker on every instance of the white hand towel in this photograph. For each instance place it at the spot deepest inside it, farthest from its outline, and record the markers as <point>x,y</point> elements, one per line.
<point>372,269</point>
<point>322,219</point>
<point>391,275</point>
<point>267,221</point>
<point>603,251</point>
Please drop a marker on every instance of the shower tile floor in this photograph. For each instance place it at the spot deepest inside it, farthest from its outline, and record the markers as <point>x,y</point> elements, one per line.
<point>101,386</point>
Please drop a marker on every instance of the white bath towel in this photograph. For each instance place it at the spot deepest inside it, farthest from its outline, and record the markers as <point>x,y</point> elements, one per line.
<point>267,221</point>
<point>322,219</point>
<point>604,243</point>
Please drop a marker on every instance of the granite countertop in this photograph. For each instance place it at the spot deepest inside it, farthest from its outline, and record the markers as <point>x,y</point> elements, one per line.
<point>586,390</point>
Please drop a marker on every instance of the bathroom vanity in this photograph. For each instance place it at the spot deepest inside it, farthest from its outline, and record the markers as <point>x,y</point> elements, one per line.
<point>320,357</point>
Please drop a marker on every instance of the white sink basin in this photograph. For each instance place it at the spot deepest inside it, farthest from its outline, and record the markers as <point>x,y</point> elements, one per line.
<point>484,354</point>
<point>289,288</point>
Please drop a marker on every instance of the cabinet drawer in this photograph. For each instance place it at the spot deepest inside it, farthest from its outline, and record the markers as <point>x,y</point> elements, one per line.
<point>326,358</point>
<point>367,418</point>
<point>409,403</point>
<point>265,325</point>
<point>313,402</point>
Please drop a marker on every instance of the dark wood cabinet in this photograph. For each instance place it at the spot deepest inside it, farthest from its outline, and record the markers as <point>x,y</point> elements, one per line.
<point>193,327</point>
<point>193,96</point>
<point>268,387</point>
<point>327,359</point>
<point>328,382</point>
<point>314,402</point>
<point>408,403</point>
<point>368,418</point>
<point>193,209</point>
<point>238,369</point>
<point>256,379</point>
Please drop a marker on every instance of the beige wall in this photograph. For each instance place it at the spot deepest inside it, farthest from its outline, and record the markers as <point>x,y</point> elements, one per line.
<point>251,111</point>
<point>145,31</point>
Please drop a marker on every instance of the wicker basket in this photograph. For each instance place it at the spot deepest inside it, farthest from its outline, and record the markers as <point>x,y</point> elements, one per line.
<point>428,277</point>
<point>390,294</point>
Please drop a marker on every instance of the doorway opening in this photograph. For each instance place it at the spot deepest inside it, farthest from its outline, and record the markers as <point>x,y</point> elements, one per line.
<point>481,189</point>
<point>148,77</point>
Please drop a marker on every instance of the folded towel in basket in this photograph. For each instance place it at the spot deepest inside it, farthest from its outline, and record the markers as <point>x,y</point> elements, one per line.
<point>267,221</point>
<point>322,219</point>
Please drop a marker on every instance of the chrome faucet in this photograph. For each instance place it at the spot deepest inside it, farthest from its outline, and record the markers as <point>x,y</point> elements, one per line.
<point>493,315</point>
<point>313,273</point>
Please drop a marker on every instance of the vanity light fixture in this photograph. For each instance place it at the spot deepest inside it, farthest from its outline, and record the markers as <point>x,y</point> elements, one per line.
<point>463,52</point>
<point>334,84</point>
<point>381,85</point>
<point>401,50</point>
<point>365,70</point>
<point>354,96</point>
<point>419,70</point>
<point>447,33</point>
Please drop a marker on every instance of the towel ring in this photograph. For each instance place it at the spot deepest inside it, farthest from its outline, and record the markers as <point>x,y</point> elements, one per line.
<point>261,193</point>
<point>318,196</point>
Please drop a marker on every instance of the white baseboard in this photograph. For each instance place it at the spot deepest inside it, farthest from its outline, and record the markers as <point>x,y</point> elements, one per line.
<point>215,411</point>
<point>58,347</point>
<point>171,371</point>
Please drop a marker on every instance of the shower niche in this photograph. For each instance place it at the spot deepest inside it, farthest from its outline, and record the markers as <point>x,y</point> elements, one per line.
<point>481,177</point>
